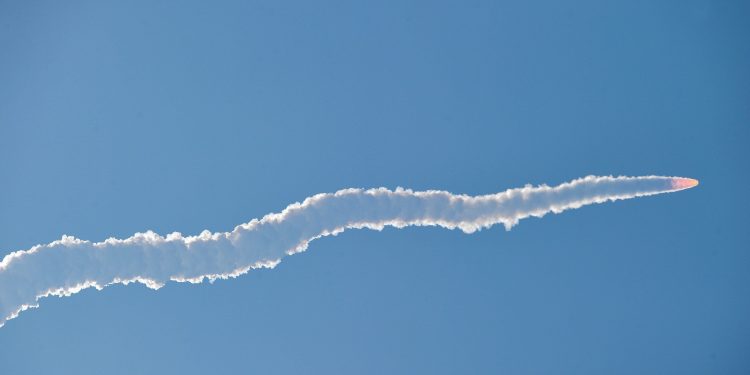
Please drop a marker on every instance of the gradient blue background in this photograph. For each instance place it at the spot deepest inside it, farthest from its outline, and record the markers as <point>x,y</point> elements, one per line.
<point>184,116</point>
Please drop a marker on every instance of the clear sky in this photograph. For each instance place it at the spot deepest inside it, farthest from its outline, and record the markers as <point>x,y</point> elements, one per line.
<point>183,116</point>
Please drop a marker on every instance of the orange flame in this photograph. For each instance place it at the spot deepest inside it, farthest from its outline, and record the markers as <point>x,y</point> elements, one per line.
<point>680,183</point>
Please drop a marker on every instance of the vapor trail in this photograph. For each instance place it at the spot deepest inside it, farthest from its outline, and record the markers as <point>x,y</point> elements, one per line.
<point>67,266</point>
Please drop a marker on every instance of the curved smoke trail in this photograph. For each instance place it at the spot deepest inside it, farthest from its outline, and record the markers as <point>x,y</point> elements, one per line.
<point>67,266</point>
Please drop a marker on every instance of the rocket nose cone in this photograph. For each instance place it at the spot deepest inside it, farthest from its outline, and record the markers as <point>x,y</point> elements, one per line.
<point>680,183</point>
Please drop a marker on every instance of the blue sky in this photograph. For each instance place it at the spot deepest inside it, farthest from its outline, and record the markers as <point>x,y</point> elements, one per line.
<point>118,118</point>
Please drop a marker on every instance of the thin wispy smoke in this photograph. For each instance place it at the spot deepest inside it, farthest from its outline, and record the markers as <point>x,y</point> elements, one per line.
<point>67,266</point>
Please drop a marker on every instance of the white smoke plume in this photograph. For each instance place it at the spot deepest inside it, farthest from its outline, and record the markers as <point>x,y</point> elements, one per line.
<point>67,266</point>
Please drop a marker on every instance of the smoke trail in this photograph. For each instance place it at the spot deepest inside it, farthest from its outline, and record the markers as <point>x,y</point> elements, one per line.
<point>67,266</point>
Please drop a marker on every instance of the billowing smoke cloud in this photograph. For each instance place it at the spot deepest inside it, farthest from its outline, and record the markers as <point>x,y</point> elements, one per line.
<point>67,266</point>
